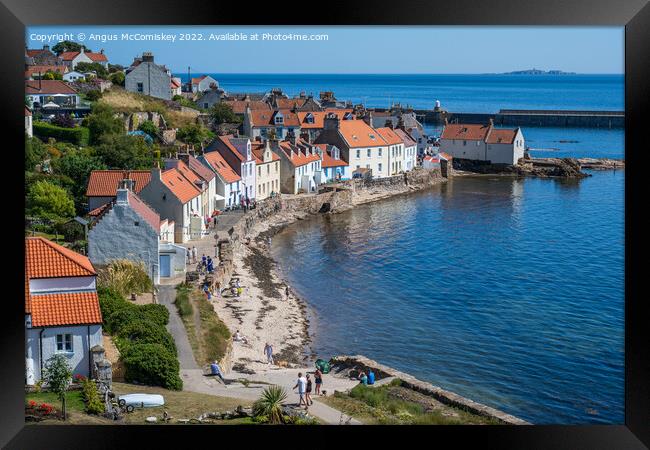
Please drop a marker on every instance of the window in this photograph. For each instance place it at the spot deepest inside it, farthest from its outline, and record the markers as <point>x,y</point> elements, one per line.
<point>464,142</point>
<point>268,169</point>
<point>63,342</point>
<point>379,167</point>
<point>140,87</point>
<point>276,167</point>
<point>259,171</point>
<point>137,224</point>
<point>358,153</point>
<point>205,105</point>
<point>369,151</point>
<point>379,151</point>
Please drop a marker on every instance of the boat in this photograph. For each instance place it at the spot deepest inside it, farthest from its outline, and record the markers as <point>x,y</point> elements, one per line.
<point>141,400</point>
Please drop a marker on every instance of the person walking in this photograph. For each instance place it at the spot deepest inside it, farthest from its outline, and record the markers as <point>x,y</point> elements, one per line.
<point>308,399</point>
<point>194,254</point>
<point>318,380</point>
<point>268,351</point>
<point>215,371</point>
<point>301,384</point>
<point>287,292</point>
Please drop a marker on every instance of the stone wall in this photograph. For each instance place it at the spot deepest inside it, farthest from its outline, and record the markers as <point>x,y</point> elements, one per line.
<point>344,362</point>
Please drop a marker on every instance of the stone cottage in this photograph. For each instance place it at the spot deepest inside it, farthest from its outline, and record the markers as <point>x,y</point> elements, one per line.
<point>146,77</point>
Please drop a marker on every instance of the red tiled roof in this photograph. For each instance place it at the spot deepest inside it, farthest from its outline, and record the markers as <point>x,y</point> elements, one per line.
<point>200,169</point>
<point>47,87</point>
<point>446,156</point>
<point>226,140</point>
<point>45,259</point>
<point>175,84</point>
<point>104,183</point>
<point>358,133</point>
<point>65,309</point>
<point>35,70</point>
<point>98,211</point>
<point>406,138</point>
<point>95,57</point>
<point>261,118</point>
<point>219,164</point>
<point>198,79</point>
<point>431,159</point>
<point>239,106</point>
<point>35,52</point>
<point>389,136</point>
<point>319,117</point>
<point>501,136</point>
<point>328,161</point>
<point>184,189</point>
<point>257,148</point>
<point>467,132</point>
<point>300,158</point>
<point>143,210</point>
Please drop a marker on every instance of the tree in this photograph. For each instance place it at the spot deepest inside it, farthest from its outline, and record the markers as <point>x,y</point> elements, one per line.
<point>93,95</point>
<point>77,164</point>
<point>85,67</point>
<point>68,46</point>
<point>117,78</point>
<point>194,134</point>
<point>223,113</point>
<point>35,152</point>
<point>50,75</point>
<point>63,120</point>
<point>125,152</point>
<point>269,404</point>
<point>102,122</point>
<point>58,376</point>
<point>148,127</point>
<point>49,201</point>
<point>113,68</point>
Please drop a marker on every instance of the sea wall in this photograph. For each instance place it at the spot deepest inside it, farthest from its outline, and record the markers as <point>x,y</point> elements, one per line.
<point>344,363</point>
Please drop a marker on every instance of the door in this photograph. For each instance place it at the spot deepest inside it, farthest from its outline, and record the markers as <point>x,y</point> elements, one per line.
<point>165,265</point>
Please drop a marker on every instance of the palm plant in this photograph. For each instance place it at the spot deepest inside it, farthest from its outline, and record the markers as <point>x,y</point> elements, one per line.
<point>270,404</point>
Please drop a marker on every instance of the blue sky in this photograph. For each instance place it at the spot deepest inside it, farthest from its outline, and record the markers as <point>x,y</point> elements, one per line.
<point>361,49</point>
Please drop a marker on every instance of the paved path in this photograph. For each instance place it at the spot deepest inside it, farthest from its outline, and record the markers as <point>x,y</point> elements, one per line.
<point>166,296</point>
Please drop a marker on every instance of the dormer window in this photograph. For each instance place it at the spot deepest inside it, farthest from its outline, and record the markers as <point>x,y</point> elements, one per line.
<point>372,136</point>
<point>279,118</point>
<point>309,118</point>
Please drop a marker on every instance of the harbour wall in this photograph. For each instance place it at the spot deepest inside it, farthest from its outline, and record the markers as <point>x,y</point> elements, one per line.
<point>540,118</point>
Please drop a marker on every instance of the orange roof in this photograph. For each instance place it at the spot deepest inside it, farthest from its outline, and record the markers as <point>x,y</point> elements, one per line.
<point>45,259</point>
<point>261,118</point>
<point>226,140</point>
<point>300,157</point>
<point>406,138</point>
<point>358,133</point>
<point>35,70</point>
<point>501,136</point>
<point>34,52</point>
<point>219,164</point>
<point>183,188</point>
<point>445,155</point>
<point>104,183</point>
<point>47,87</point>
<point>239,106</point>
<point>319,117</point>
<point>95,57</point>
<point>65,309</point>
<point>465,132</point>
<point>328,161</point>
<point>145,211</point>
<point>175,84</point>
<point>257,148</point>
<point>389,136</point>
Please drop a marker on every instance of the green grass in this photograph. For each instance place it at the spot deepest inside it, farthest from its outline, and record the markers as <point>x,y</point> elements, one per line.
<point>383,405</point>
<point>182,301</point>
<point>73,400</point>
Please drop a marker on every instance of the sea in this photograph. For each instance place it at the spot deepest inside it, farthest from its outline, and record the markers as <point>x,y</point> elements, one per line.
<point>508,292</point>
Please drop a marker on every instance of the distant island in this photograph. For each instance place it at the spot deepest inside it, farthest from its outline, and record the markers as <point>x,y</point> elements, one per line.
<point>539,72</point>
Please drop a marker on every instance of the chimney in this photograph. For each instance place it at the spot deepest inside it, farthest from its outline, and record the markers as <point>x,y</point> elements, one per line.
<point>185,157</point>
<point>274,144</point>
<point>155,172</point>
<point>46,47</point>
<point>101,51</point>
<point>126,182</point>
<point>147,57</point>
<point>331,122</point>
<point>81,50</point>
<point>368,118</point>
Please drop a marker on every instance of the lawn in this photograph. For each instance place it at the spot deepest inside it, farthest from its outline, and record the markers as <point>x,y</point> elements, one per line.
<point>394,404</point>
<point>178,404</point>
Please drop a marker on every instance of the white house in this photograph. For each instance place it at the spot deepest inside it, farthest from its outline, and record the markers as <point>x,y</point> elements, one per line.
<point>483,143</point>
<point>43,92</point>
<point>361,145</point>
<point>74,76</point>
<point>71,59</point>
<point>410,150</point>
<point>62,314</point>
<point>130,229</point>
<point>176,198</point>
<point>300,165</point>
<point>237,153</point>
<point>203,83</point>
<point>201,176</point>
<point>334,167</point>
<point>262,123</point>
<point>228,181</point>
<point>395,150</point>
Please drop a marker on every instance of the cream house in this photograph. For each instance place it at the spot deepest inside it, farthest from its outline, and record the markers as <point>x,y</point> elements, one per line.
<point>268,169</point>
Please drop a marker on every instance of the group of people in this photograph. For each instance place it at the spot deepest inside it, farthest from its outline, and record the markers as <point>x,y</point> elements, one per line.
<point>246,203</point>
<point>206,264</point>
<point>367,377</point>
<point>191,255</point>
<point>304,386</point>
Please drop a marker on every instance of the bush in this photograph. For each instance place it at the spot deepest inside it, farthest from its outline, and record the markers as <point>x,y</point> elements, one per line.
<point>182,301</point>
<point>147,332</point>
<point>94,404</point>
<point>152,364</point>
<point>94,95</point>
<point>125,277</point>
<point>77,135</point>
<point>63,121</point>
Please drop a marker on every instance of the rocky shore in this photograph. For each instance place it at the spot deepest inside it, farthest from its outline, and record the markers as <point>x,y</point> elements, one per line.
<point>541,167</point>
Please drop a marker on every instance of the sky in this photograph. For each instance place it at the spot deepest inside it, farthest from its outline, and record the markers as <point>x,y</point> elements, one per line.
<point>353,49</point>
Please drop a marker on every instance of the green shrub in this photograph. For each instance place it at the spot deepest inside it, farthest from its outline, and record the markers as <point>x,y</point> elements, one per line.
<point>77,135</point>
<point>147,332</point>
<point>92,400</point>
<point>155,313</point>
<point>94,95</point>
<point>152,364</point>
<point>125,277</point>
<point>182,301</point>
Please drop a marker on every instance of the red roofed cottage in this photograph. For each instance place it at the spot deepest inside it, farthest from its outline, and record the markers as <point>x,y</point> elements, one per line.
<point>483,143</point>
<point>62,314</point>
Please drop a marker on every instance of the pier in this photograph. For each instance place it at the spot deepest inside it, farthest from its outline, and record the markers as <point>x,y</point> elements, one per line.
<point>527,117</point>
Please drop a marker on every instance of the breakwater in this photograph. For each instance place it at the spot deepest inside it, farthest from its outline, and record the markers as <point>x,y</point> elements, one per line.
<point>344,363</point>
<point>539,118</point>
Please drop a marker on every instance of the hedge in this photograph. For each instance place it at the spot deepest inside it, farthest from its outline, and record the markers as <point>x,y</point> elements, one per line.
<point>119,312</point>
<point>147,332</point>
<point>77,135</point>
<point>152,364</point>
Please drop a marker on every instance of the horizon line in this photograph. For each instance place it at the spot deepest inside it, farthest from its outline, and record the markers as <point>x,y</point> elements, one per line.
<point>392,73</point>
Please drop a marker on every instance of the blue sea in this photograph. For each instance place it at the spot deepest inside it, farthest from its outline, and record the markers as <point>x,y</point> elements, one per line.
<point>508,292</point>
